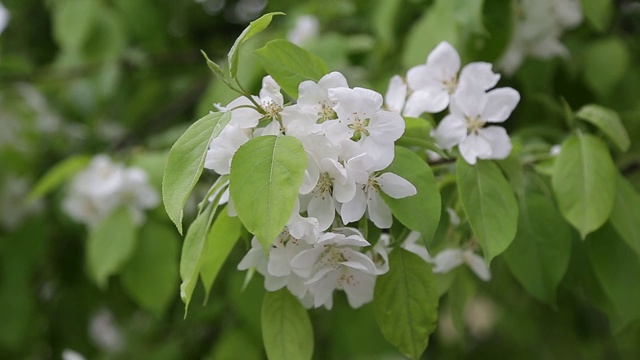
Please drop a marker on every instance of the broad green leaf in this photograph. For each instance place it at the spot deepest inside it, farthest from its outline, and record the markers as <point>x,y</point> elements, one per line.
<point>151,276</point>
<point>540,253</point>
<point>254,28</point>
<point>58,174</point>
<point>111,245</point>
<point>193,250</point>
<point>584,182</point>
<point>266,173</point>
<point>611,54</point>
<point>289,65</point>
<point>625,216</point>
<point>608,122</point>
<point>598,12</point>
<point>286,328</point>
<point>617,268</point>
<point>185,163</point>
<point>420,212</point>
<point>490,205</point>
<point>224,234</point>
<point>406,302</point>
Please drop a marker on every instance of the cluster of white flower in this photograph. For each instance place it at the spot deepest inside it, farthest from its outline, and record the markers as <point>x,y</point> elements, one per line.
<point>4,18</point>
<point>348,140</point>
<point>104,186</point>
<point>539,26</point>
<point>471,97</point>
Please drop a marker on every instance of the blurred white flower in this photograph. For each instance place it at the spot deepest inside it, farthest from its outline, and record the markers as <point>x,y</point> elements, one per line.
<point>448,259</point>
<point>306,28</point>
<point>13,204</point>
<point>104,331</point>
<point>68,354</point>
<point>4,18</point>
<point>104,186</point>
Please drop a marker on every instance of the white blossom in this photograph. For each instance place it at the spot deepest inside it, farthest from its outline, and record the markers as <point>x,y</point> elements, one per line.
<point>223,147</point>
<point>306,28</point>
<point>68,354</point>
<point>448,259</point>
<point>4,18</point>
<point>471,108</point>
<point>333,263</point>
<point>103,186</point>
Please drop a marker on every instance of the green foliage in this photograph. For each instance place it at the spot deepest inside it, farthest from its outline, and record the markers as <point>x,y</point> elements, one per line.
<point>58,174</point>
<point>286,328</point>
<point>489,204</point>
<point>611,54</point>
<point>598,12</point>
<point>254,28</point>
<point>625,215</point>
<point>266,173</point>
<point>289,65</point>
<point>608,122</point>
<point>110,245</point>
<point>151,275</point>
<point>584,182</point>
<point>546,239</point>
<point>406,302</point>
<point>222,237</point>
<point>420,212</point>
<point>185,163</point>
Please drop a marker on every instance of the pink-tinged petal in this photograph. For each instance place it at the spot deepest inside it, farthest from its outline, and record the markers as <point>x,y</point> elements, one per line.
<point>477,264</point>
<point>395,186</point>
<point>474,147</point>
<point>469,100</point>
<point>422,101</point>
<point>321,207</point>
<point>479,73</point>
<point>444,60</point>
<point>359,288</point>
<point>396,94</point>
<point>500,103</point>
<point>450,131</point>
<point>447,259</point>
<point>354,210</point>
<point>379,212</point>
<point>498,139</point>
<point>333,80</point>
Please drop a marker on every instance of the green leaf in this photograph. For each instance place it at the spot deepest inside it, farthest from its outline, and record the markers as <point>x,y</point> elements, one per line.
<point>111,245</point>
<point>289,65</point>
<point>490,205</point>
<point>611,54</point>
<point>420,212</point>
<point>151,276</point>
<point>224,234</point>
<point>266,173</point>
<point>617,268</point>
<point>598,12</point>
<point>193,249</point>
<point>608,122</point>
<point>540,253</point>
<point>185,163</point>
<point>58,174</point>
<point>73,21</point>
<point>625,216</point>
<point>215,68</point>
<point>584,182</point>
<point>286,328</point>
<point>406,302</point>
<point>254,28</point>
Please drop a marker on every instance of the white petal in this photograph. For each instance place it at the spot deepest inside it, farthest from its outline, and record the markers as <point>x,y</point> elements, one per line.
<point>386,126</point>
<point>359,261</point>
<point>333,80</point>
<point>469,101</point>
<point>450,131</point>
<point>479,73</point>
<point>354,210</point>
<point>499,141</point>
<point>378,210</point>
<point>447,259</point>
<point>344,192</point>
<point>422,101</point>
<point>274,283</point>
<point>474,147</point>
<point>302,264</point>
<point>359,288</point>
<point>321,207</point>
<point>395,186</point>
<point>500,103</point>
<point>396,94</point>
<point>478,265</point>
<point>323,291</point>
<point>444,59</point>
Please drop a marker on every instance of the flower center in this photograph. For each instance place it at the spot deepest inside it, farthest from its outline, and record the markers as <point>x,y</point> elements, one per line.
<point>359,127</point>
<point>272,109</point>
<point>474,124</point>
<point>450,84</point>
<point>332,257</point>
<point>324,185</point>
<point>326,113</point>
